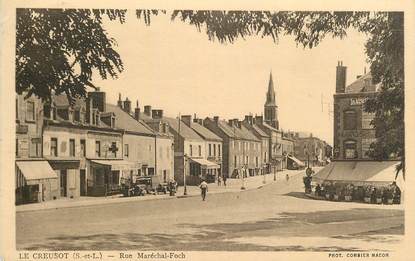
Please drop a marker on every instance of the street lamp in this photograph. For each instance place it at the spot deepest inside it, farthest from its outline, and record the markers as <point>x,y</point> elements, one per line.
<point>243,177</point>
<point>275,174</point>
<point>184,176</point>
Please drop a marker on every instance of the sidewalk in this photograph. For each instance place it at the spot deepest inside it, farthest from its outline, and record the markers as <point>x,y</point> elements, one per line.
<point>232,185</point>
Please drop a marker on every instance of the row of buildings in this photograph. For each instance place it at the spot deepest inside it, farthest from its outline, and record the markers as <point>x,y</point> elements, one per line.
<point>89,147</point>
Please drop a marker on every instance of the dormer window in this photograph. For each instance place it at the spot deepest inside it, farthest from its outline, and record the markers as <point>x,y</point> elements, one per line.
<point>77,115</point>
<point>30,111</point>
<point>47,111</point>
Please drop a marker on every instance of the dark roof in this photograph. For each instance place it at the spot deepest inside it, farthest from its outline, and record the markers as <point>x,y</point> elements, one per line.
<point>270,127</point>
<point>362,84</point>
<point>185,131</point>
<point>204,132</point>
<point>235,132</point>
<point>125,121</point>
<point>258,130</point>
<point>247,134</point>
<point>61,100</point>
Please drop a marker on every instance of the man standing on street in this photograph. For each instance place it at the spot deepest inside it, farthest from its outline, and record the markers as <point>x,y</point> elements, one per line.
<point>224,180</point>
<point>204,188</point>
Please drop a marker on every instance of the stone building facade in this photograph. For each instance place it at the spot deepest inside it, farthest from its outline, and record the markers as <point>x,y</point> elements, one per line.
<point>353,131</point>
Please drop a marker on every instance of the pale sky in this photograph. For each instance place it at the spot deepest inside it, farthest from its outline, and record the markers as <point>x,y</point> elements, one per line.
<point>171,66</point>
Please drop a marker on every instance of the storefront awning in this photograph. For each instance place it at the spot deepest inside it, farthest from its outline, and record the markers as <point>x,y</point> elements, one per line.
<point>358,172</point>
<point>299,162</point>
<point>206,163</point>
<point>36,170</point>
<point>118,164</point>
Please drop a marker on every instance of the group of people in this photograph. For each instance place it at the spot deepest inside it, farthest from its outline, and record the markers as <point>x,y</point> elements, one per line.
<point>389,194</point>
<point>220,179</point>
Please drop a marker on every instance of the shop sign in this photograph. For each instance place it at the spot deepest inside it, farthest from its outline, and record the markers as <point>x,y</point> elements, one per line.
<point>357,101</point>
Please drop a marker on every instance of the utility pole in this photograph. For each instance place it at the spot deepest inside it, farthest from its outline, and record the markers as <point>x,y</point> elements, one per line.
<point>184,161</point>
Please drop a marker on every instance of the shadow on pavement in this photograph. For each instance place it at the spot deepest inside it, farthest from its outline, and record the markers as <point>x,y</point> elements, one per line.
<point>297,195</point>
<point>219,236</point>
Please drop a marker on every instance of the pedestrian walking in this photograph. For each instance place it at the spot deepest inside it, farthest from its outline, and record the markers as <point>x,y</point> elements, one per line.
<point>219,180</point>
<point>287,177</point>
<point>224,180</point>
<point>204,188</point>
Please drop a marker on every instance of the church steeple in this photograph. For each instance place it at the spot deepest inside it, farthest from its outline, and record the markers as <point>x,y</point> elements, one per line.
<point>270,107</point>
<point>270,93</point>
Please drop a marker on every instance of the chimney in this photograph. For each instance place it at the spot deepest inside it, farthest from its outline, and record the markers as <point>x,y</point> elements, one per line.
<point>249,119</point>
<point>119,102</point>
<point>147,110</point>
<point>187,119</point>
<point>157,114</point>
<point>259,120</point>
<point>340,77</point>
<point>127,105</point>
<point>234,122</point>
<point>137,112</point>
<point>98,100</point>
<point>216,119</point>
<point>239,124</point>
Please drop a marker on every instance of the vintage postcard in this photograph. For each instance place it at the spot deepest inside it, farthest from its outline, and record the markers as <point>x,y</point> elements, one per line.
<point>155,131</point>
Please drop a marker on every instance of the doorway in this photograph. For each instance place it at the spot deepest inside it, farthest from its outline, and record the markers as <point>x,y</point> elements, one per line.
<point>82,183</point>
<point>63,182</point>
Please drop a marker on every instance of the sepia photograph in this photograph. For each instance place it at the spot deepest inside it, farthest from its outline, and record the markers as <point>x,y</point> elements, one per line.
<point>168,131</point>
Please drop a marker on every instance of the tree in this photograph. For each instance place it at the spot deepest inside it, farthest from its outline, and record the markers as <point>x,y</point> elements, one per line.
<point>58,49</point>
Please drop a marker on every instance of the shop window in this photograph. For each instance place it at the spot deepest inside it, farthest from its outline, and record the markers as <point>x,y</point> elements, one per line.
<point>30,111</point>
<point>54,147</point>
<point>72,148</point>
<point>97,148</point>
<point>349,120</point>
<point>350,150</point>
